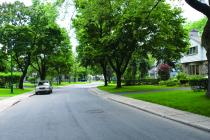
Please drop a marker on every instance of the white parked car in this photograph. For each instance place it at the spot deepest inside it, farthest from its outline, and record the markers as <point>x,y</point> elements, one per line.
<point>43,86</point>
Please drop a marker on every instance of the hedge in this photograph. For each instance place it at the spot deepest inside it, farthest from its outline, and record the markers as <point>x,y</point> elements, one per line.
<point>5,78</point>
<point>142,82</point>
<point>197,84</point>
<point>169,83</point>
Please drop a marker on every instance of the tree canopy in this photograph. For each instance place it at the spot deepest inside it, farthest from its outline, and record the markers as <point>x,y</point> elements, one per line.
<point>114,30</point>
<point>33,38</point>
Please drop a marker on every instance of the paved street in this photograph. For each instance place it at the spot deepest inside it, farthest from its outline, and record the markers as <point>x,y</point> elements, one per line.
<point>72,113</point>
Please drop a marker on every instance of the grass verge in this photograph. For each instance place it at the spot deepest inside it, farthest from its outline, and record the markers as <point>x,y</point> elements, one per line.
<point>195,102</point>
<point>190,101</point>
<point>6,92</point>
<point>142,88</point>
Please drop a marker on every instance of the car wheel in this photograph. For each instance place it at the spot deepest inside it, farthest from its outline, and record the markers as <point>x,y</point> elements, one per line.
<point>36,93</point>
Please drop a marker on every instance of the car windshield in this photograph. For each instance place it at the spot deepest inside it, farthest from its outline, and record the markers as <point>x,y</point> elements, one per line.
<point>43,84</point>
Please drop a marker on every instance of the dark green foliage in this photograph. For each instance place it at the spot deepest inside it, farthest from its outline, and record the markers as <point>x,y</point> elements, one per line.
<point>142,82</point>
<point>5,78</point>
<point>184,82</point>
<point>31,79</point>
<point>113,30</point>
<point>36,38</point>
<point>182,76</point>
<point>170,82</point>
<point>198,84</point>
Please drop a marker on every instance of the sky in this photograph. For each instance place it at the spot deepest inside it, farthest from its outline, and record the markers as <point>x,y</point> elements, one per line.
<point>67,11</point>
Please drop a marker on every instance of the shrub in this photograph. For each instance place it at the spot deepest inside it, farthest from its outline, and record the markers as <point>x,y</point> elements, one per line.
<point>142,82</point>
<point>198,84</point>
<point>31,79</point>
<point>181,76</point>
<point>183,82</point>
<point>164,71</point>
<point>171,82</point>
<point>195,77</point>
<point>5,78</point>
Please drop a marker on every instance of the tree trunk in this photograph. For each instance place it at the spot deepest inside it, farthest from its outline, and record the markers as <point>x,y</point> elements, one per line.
<point>59,79</point>
<point>42,75</point>
<point>20,86</point>
<point>133,77</point>
<point>206,45</point>
<point>134,71</point>
<point>105,76</point>
<point>208,89</point>
<point>104,68</point>
<point>21,80</point>
<point>119,76</point>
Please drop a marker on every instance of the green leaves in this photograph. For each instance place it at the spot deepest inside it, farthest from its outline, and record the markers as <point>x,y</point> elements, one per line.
<point>36,38</point>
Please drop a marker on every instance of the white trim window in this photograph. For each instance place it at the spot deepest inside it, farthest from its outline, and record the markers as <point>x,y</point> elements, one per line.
<point>193,50</point>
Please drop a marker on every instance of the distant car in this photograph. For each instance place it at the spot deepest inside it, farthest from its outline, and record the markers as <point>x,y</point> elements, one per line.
<point>43,86</point>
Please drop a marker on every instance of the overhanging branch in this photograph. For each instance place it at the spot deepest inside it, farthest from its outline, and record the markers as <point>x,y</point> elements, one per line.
<point>199,6</point>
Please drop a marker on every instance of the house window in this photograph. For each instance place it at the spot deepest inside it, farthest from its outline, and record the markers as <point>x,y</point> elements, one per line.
<point>194,69</point>
<point>193,50</point>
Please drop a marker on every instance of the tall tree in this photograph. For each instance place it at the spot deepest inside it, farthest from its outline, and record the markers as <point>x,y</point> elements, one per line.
<point>48,36</point>
<point>90,30</point>
<point>15,31</point>
<point>150,31</point>
<point>127,25</point>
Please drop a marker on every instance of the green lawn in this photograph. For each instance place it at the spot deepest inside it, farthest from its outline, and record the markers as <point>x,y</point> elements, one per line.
<point>6,92</point>
<point>141,88</point>
<point>190,101</point>
<point>31,85</point>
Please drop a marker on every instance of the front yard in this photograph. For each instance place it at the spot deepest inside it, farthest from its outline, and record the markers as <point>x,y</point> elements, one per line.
<point>186,100</point>
<point>142,88</point>
<point>6,92</point>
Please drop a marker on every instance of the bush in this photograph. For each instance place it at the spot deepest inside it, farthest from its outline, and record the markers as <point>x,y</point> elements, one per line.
<point>199,84</point>
<point>164,71</point>
<point>169,83</point>
<point>31,79</point>
<point>182,76</point>
<point>5,78</point>
<point>183,82</point>
<point>142,82</point>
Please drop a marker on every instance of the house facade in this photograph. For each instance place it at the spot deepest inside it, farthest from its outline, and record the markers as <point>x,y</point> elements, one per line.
<point>194,62</point>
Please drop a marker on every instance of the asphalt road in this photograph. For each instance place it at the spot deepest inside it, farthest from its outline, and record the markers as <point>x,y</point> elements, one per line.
<point>75,114</point>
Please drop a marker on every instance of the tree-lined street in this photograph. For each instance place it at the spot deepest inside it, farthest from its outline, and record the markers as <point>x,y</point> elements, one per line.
<point>118,70</point>
<point>73,113</point>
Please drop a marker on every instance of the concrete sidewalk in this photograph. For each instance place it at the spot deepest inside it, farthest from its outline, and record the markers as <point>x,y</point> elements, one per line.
<point>191,119</point>
<point>8,102</point>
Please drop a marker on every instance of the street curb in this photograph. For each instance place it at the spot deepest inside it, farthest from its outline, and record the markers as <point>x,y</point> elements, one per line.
<point>11,101</point>
<point>199,123</point>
